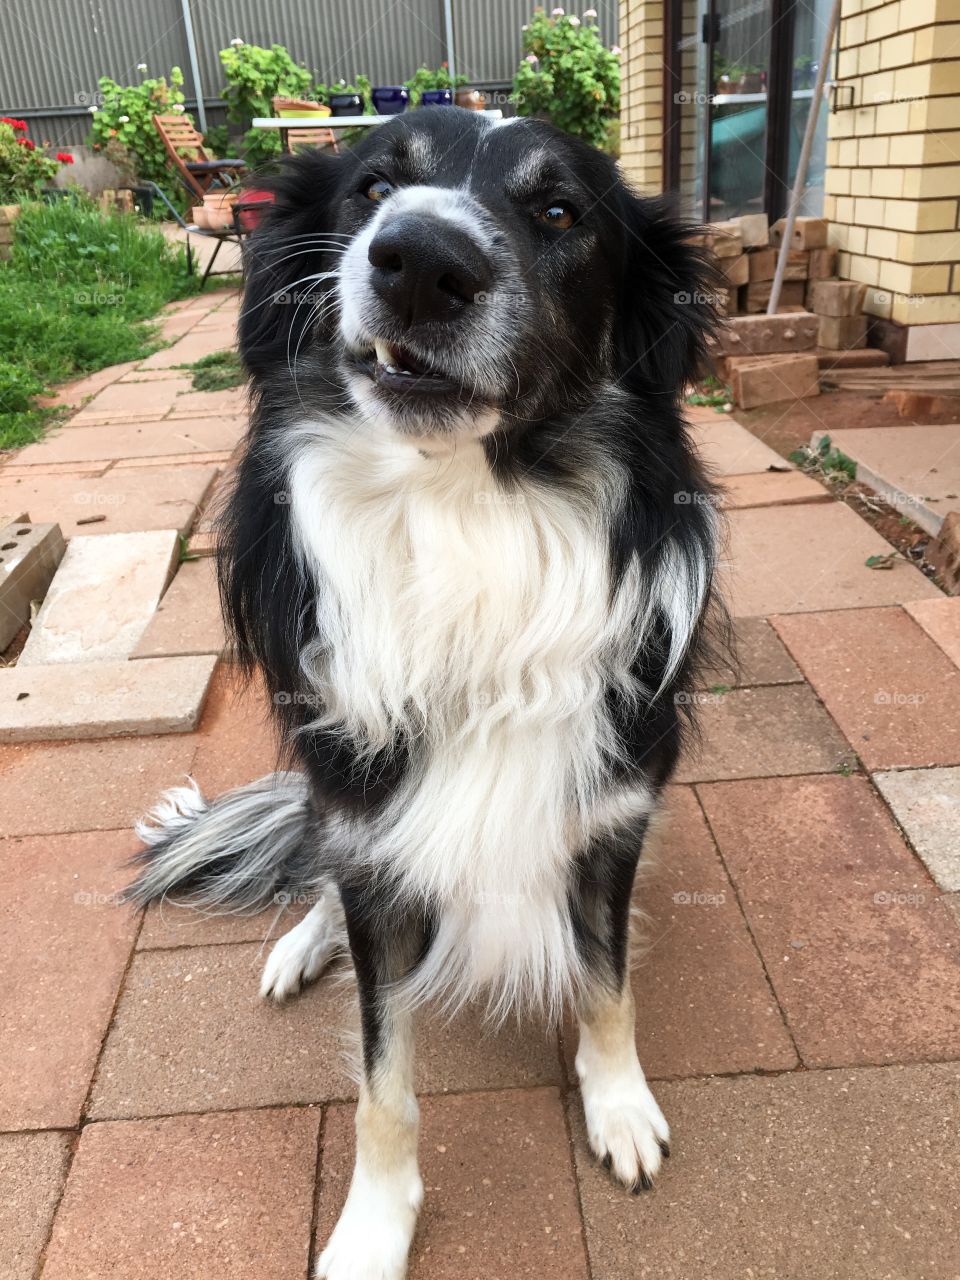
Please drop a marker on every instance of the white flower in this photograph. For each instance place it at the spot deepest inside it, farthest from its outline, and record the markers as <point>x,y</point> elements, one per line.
<point>178,106</point>
<point>531,58</point>
<point>236,42</point>
<point>141,66</point>
<point>615,50</point>
<point>556,13</point>
<point>123,119</point>
<point>589,13</point>
<point>574,20</point>
<point>94,110</point>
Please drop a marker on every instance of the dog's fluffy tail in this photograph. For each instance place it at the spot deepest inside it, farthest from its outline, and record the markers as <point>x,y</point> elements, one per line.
<point>246,850</point>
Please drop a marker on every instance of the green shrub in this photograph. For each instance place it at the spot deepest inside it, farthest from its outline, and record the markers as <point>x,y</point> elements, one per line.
<point>125,117</point>
<point>568,75</point>
<point>75,296</point>
<point>255,76</point>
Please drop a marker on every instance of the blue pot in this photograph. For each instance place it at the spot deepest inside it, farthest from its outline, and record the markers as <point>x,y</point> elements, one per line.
<point>390,99</point>
<point>437,98</point>
<point>346,104</point>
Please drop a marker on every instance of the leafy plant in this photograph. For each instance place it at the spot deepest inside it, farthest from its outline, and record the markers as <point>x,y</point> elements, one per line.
<point>25,168</point>
<point>568,75</point>
<point>217,141</point>
<point>255,76</point>
<point>75,296</point>
<point>424,78</point>
<point>828,461</point>
<point>125,117</point>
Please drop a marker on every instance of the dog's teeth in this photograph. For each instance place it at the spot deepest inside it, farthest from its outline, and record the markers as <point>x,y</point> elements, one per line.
<point>383,353</point>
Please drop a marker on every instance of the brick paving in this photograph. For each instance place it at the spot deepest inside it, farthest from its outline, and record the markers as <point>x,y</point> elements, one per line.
<point>798,988</point>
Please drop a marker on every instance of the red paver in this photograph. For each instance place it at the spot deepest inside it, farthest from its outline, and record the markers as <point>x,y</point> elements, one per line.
<point>758,732</point>
<point>940,619</point>
<point>73,394</point>
<point>128,500</point>
<point>236,742</point>
<point>193,347</point>
<point>67,942</point>
<point>137,440</point>
<point>33,1167</point>
<point>760,657</point>
<point>195,1197</point>
<point>131,402</point>
<point>500,1198</point>
<point>703,1001</point>
<point>797,559</point>
<point>892,690</point>
<point>863,958</point>
<point>177,924</point>
<point>192,1034</point>
<point>188,620</point>
<point>819,1175</point>
<point>204,404</point>
<point>88,786</point>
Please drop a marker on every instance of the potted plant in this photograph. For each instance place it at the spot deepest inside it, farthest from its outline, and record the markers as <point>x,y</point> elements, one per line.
<point>431,88</point>
<point>751,80</point>
<point>804,72</point>
<point>390,99</point>
<point>351,99</point>
<point>25,167</point>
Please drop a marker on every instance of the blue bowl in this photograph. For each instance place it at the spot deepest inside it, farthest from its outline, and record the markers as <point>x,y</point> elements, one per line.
<point>390,99</point>
<point>437,98</point>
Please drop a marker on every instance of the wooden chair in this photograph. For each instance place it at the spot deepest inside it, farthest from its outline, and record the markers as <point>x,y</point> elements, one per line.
<point>186,152</point>
<point>293,138</point>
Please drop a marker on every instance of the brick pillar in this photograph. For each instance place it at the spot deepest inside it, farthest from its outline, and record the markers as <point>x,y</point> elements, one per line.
<point>641,93</point>
<point>893,163</point>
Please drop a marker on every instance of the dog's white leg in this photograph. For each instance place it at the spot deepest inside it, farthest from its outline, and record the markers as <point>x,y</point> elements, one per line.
<point>372,1237</point>
<point>625,1127</point>
<point>301,955</point>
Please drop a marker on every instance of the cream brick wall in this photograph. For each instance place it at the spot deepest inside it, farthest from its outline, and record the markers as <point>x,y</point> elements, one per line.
<point>893,181</point>
<point>641,93</point>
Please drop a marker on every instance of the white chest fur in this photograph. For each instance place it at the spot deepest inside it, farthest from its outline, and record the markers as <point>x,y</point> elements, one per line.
<point>478,622</point>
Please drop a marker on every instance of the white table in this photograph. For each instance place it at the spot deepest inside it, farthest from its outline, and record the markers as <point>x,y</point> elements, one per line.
<point>317,121</point>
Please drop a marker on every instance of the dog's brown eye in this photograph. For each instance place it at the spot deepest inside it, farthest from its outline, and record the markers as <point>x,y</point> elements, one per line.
<point>556,215</point>
<point>377,189</point>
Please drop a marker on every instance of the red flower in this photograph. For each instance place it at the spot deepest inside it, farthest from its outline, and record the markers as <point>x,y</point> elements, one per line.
<point>25,142</point>
<point>14,124</point>
<point>65,157</point>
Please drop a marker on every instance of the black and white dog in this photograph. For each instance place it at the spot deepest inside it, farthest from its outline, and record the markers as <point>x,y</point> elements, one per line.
<point>471,550</point>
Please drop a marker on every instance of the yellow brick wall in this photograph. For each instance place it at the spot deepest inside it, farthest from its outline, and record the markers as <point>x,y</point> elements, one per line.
<point>641,93</point>
<point>893,175</point>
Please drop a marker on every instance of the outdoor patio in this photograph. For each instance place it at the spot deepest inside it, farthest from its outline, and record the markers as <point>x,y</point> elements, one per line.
<point>798,989</point>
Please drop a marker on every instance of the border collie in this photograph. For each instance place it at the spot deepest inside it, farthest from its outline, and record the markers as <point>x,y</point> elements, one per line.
<point>471,551</point>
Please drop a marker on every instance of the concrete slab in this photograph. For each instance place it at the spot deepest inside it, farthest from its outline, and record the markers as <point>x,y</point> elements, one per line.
<point>206,404</point>
<point>916,469</point>
<point>33,1167</point>
<point>792,559</point>
<point>729,449</point>
<point>926,803</point>
<point>191,348</point>
<point>102,598</point>
<point>940,619</point>
<point>188,618</point>
<point>103,699</point>
<point>771,489</point>
<point>136,440</point>
<point>142,496</point>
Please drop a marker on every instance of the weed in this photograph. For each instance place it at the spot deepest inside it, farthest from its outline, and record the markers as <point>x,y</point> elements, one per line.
<point>217,372</point>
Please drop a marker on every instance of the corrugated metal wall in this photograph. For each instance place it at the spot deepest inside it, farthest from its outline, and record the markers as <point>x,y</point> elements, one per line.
<point>52,52</point>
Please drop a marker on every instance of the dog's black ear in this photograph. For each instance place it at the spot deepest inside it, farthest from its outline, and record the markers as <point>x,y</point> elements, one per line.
<point>286,253</point>
<point>667,305</point>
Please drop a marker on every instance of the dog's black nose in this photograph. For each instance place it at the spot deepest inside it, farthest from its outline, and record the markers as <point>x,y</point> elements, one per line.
<point>427,269</point>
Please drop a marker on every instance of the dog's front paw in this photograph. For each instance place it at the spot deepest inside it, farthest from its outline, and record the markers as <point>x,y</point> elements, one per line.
<point>626,1128</point>
<point>301,955</point>
<point>372,1238</point>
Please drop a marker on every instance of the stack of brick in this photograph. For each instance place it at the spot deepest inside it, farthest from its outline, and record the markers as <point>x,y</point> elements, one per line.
<point>8,215</point>
<point>746,251</point>
<point>839,305</point>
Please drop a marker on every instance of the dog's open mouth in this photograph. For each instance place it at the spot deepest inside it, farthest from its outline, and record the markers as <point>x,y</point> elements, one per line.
<point>397,369</point>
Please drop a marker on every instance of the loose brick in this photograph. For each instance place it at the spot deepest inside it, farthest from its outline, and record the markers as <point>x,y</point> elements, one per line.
<point>29,556</point>
<point>808,233</point>
<point>823,263</point>
<point>757,295</point>
<point>836,297</point>
<point>736,270</point>
<point>944,553</point>
<point>754,230</point>
<point>762,265</point>
<point>843,333</point>
<point>724,239</point>
<point>797,265</point>
<point>784,377</point>
<point>766,335</point>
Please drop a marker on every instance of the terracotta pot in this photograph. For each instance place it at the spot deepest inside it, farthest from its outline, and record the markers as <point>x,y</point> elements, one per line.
<point>198,216</point>
<point>472,99</point>
<point>218,206</point>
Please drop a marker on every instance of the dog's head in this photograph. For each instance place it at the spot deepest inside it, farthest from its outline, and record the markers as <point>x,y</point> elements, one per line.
<point>453,275</point>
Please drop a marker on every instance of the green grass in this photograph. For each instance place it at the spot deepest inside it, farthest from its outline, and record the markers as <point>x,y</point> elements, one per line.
<point>77,294</point>
<point>217,372</point>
